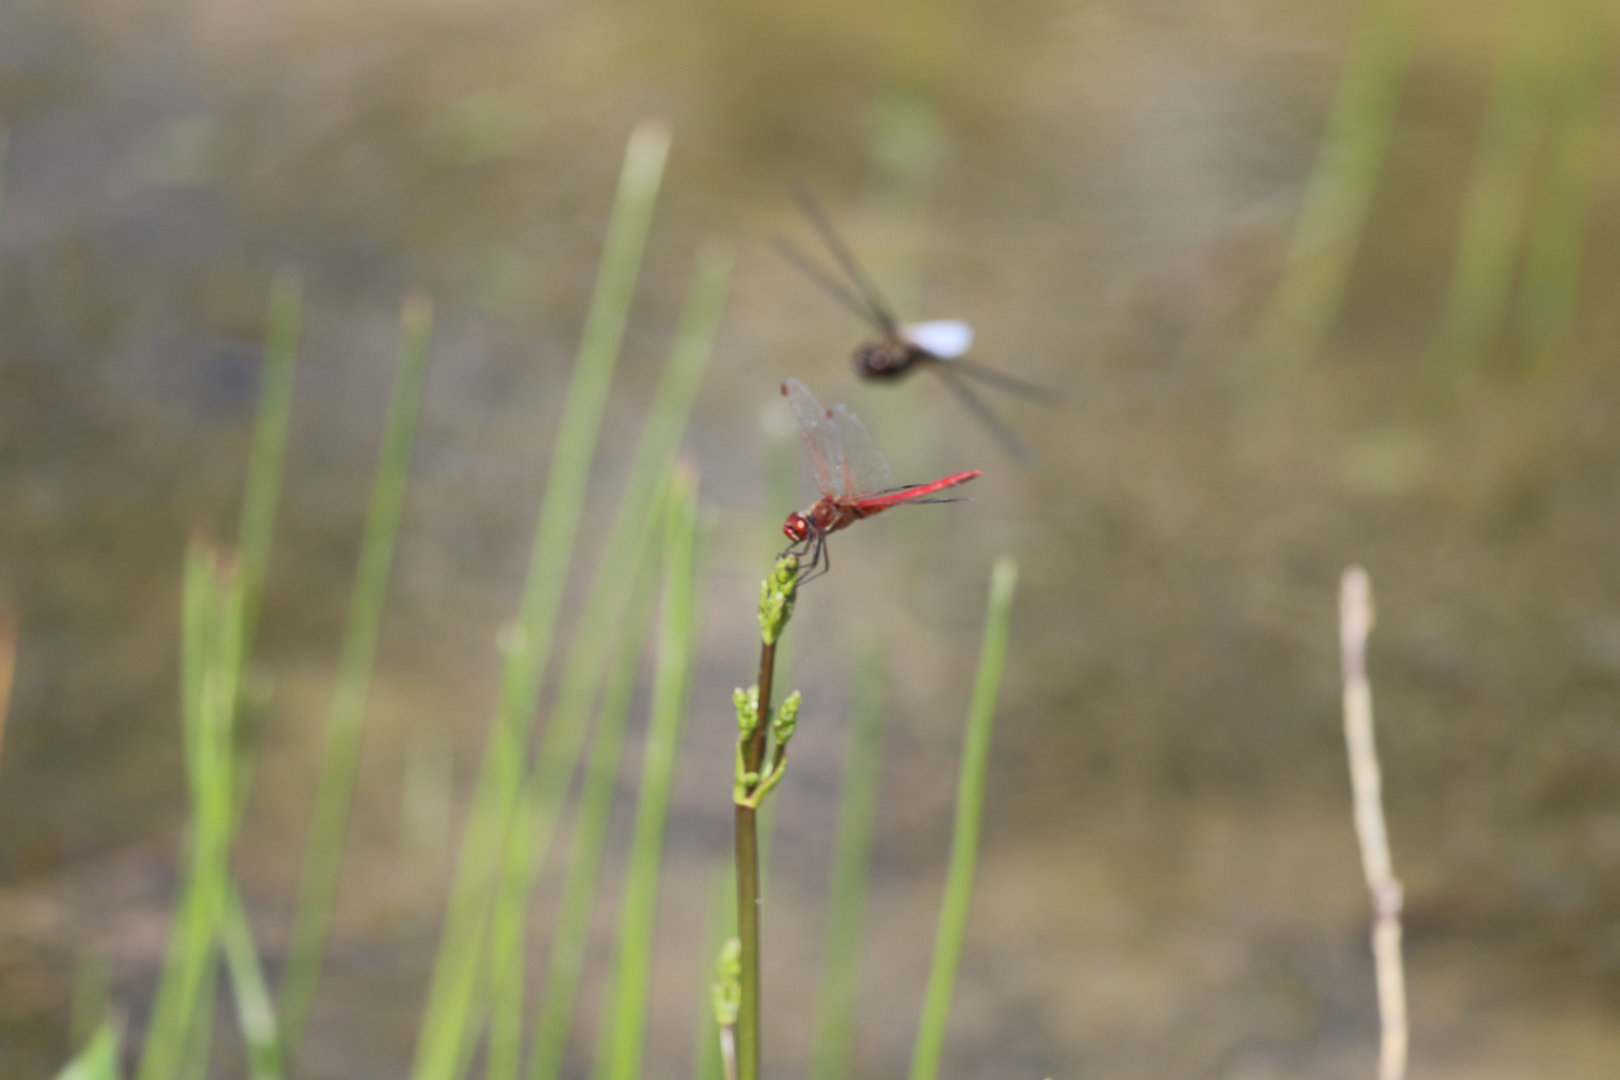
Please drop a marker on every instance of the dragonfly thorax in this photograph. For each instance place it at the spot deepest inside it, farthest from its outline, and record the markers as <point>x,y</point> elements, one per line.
<point>887,357</point>
<point>826,516</point>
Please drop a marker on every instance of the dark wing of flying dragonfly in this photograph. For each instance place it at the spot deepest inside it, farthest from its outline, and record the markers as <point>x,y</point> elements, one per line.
<point>899,348</point>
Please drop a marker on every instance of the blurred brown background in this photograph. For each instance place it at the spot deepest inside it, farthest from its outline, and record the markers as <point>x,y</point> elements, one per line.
<point>1107,189</point>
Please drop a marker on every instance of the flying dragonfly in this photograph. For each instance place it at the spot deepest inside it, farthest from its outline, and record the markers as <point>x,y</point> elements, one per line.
<point>939,345</point>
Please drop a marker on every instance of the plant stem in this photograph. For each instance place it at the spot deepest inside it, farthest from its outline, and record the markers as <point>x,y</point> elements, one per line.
<point>748,879</point>
<point>836,1008</point>
<point>340,759</point>
<point>1336,200</point>
<point>1367,787</point>
<point>953,913</point>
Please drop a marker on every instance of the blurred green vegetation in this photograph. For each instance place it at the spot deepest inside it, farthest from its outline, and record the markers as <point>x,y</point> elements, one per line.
<point>1319,283</point>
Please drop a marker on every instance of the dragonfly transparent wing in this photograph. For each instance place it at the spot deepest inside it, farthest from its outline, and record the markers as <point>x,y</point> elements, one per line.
<point>945,338</point>
<point>822,440</point>
<point>865,471</point>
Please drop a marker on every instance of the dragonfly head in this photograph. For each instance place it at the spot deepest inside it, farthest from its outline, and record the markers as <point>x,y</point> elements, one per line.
<point>885,358</point>
<point>797,527</point>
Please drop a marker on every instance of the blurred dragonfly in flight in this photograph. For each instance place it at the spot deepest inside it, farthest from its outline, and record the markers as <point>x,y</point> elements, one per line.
<point>939,345</point>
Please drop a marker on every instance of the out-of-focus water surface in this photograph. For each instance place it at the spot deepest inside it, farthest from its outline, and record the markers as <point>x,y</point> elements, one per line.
<point>1169,885</point>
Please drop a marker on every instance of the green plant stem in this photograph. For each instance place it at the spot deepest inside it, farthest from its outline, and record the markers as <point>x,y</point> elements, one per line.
<point>211,638</point>
<point>677,653</point>
<point>341,757</point>
<point>99,1058</point>
<point>852,858</point>
<point>1558,230</point>
<point>269,450</point>
<point>562,743</point>
<point>1499,191</point>
<point>965,834</point>
<point>572,935</point>
<point>445,1037</point>
<point>255,1013</point>
<point>1348,161</point>
<point>748,884</point>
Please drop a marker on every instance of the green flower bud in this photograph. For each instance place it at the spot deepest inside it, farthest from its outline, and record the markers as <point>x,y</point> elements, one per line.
<point>776,595</point>
<point>747,702</point>
<point>787,718</point>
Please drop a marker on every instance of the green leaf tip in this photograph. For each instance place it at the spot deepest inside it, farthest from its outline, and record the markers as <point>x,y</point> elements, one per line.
<point>1003,579</point>
<point>776,596</point>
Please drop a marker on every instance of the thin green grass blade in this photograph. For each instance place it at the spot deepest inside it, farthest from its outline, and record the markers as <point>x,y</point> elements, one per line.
<point>99,1058</point>
<point>1499,189</point>
<point>167,1028</point>
<point>1557,240</point>
<point>572,933</point>
<point>341,758</point>
<point>677,655</point>
<point>589,655</point>
<point>211,642</point>
<point>255,1014</point>
<point>454,998</point>
<point>1327,234</point>
<point>965,835</point>
<point>269,450</point>
<point>255,532</point>
<point>851,869</point>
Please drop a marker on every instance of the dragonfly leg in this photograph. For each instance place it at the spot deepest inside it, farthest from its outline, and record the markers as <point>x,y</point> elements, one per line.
<point>820,561</point>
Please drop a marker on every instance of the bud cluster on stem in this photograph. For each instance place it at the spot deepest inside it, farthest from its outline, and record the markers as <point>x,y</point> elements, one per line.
<point>762,740</point>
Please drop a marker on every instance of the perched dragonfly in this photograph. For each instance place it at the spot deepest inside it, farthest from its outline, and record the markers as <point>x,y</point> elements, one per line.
<point>940,345</point>
<point>851,475</point>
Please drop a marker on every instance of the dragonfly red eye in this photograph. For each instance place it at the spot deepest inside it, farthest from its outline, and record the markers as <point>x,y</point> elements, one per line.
<point>796,527</point>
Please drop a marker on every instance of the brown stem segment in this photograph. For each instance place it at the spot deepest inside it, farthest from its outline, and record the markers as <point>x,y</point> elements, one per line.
<point>748,879</point>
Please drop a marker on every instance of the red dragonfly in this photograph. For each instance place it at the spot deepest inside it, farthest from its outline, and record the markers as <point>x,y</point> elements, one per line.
<point>851,475</point>
<point>901,348</point>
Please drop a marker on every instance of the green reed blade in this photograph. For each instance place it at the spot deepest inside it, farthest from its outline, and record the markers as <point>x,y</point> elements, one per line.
<point>678,632</point>
<point>255,531</point>
<point>572,933</point>
<point>255,1014</point>
<point>341,757</point>
<point>1557,238</point>
<point>1328,231</point>
<point>99,1058</point>
<point>851,868</point>
<point>211,661</point>
<point>965,834</point>
<point>1498,192</point>
<point>200,1040</point>
<point>269,450</point>
<point>561,744</point>
<point>445,1039</point>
